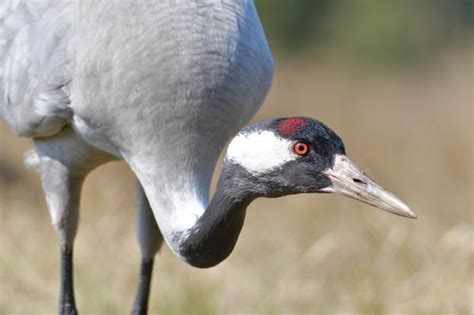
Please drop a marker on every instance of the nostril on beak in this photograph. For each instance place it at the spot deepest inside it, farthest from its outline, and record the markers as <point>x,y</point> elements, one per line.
<point>359,181</point>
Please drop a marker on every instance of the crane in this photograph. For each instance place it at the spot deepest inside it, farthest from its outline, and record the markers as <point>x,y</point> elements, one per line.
<point>162,86</point>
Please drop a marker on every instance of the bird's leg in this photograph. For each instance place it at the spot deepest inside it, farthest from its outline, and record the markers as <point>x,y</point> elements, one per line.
<point>62,191</point>
<point>140,305</point>
<point>67,305</point>
<point>150,240</point>
<point>64,160</point>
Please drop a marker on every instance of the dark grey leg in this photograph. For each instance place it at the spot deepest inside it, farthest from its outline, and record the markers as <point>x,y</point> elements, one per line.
<point>140,306</point>
<point>67,305</point>
<point>150,240</point>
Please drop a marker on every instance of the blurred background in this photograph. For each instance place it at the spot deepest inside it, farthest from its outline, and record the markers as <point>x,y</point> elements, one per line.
<point>395,80</point>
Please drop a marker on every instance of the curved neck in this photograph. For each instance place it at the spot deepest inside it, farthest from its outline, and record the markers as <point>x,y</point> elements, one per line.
<point>215,233</point>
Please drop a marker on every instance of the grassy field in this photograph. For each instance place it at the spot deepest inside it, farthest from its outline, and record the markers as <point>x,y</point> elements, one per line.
<point>306,254</point>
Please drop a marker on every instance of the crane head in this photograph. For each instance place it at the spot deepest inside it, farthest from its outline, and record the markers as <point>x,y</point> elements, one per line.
<point>301,155</point>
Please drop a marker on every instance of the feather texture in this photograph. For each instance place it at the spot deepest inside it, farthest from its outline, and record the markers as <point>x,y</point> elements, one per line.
<point>34,95</point>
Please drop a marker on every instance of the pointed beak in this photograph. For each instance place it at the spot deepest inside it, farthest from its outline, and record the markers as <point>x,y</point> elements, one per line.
<point>348,180</point>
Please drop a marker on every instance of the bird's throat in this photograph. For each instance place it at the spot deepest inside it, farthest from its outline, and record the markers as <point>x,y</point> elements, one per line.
<point>213,237</point>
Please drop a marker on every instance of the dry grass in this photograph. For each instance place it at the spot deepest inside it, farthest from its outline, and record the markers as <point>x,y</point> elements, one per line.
<point>297,255</point>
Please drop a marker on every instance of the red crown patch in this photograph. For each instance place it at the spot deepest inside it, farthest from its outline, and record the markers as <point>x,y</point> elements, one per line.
<point>290,126</point>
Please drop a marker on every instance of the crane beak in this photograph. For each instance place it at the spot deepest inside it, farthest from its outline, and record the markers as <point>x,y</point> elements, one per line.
<point>348,180</point>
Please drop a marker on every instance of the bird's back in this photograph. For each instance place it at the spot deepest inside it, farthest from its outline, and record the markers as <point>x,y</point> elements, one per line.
<point>194,61</point>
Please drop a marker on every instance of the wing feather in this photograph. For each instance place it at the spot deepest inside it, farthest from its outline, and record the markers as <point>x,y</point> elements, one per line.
<point>34,65</point>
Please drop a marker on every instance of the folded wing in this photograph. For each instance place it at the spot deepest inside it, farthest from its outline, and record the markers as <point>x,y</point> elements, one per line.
<point>34,75</point>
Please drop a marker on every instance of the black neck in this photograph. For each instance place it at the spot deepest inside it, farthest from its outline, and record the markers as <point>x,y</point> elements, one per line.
<point>213,237</point>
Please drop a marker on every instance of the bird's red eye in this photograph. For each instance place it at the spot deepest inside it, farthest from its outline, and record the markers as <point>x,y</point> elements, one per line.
<point>301,148</point>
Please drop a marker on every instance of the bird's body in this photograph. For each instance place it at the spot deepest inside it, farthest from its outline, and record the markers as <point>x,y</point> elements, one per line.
<point>122,74</point>
<point>161,85</point>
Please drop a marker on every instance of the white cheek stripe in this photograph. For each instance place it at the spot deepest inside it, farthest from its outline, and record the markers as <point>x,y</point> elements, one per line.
<point>260,151</point>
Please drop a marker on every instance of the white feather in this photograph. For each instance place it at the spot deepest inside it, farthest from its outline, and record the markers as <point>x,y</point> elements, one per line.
<point>260,151</point>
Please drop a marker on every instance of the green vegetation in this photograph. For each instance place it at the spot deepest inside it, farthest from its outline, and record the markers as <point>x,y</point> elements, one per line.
<point>382,32</point>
